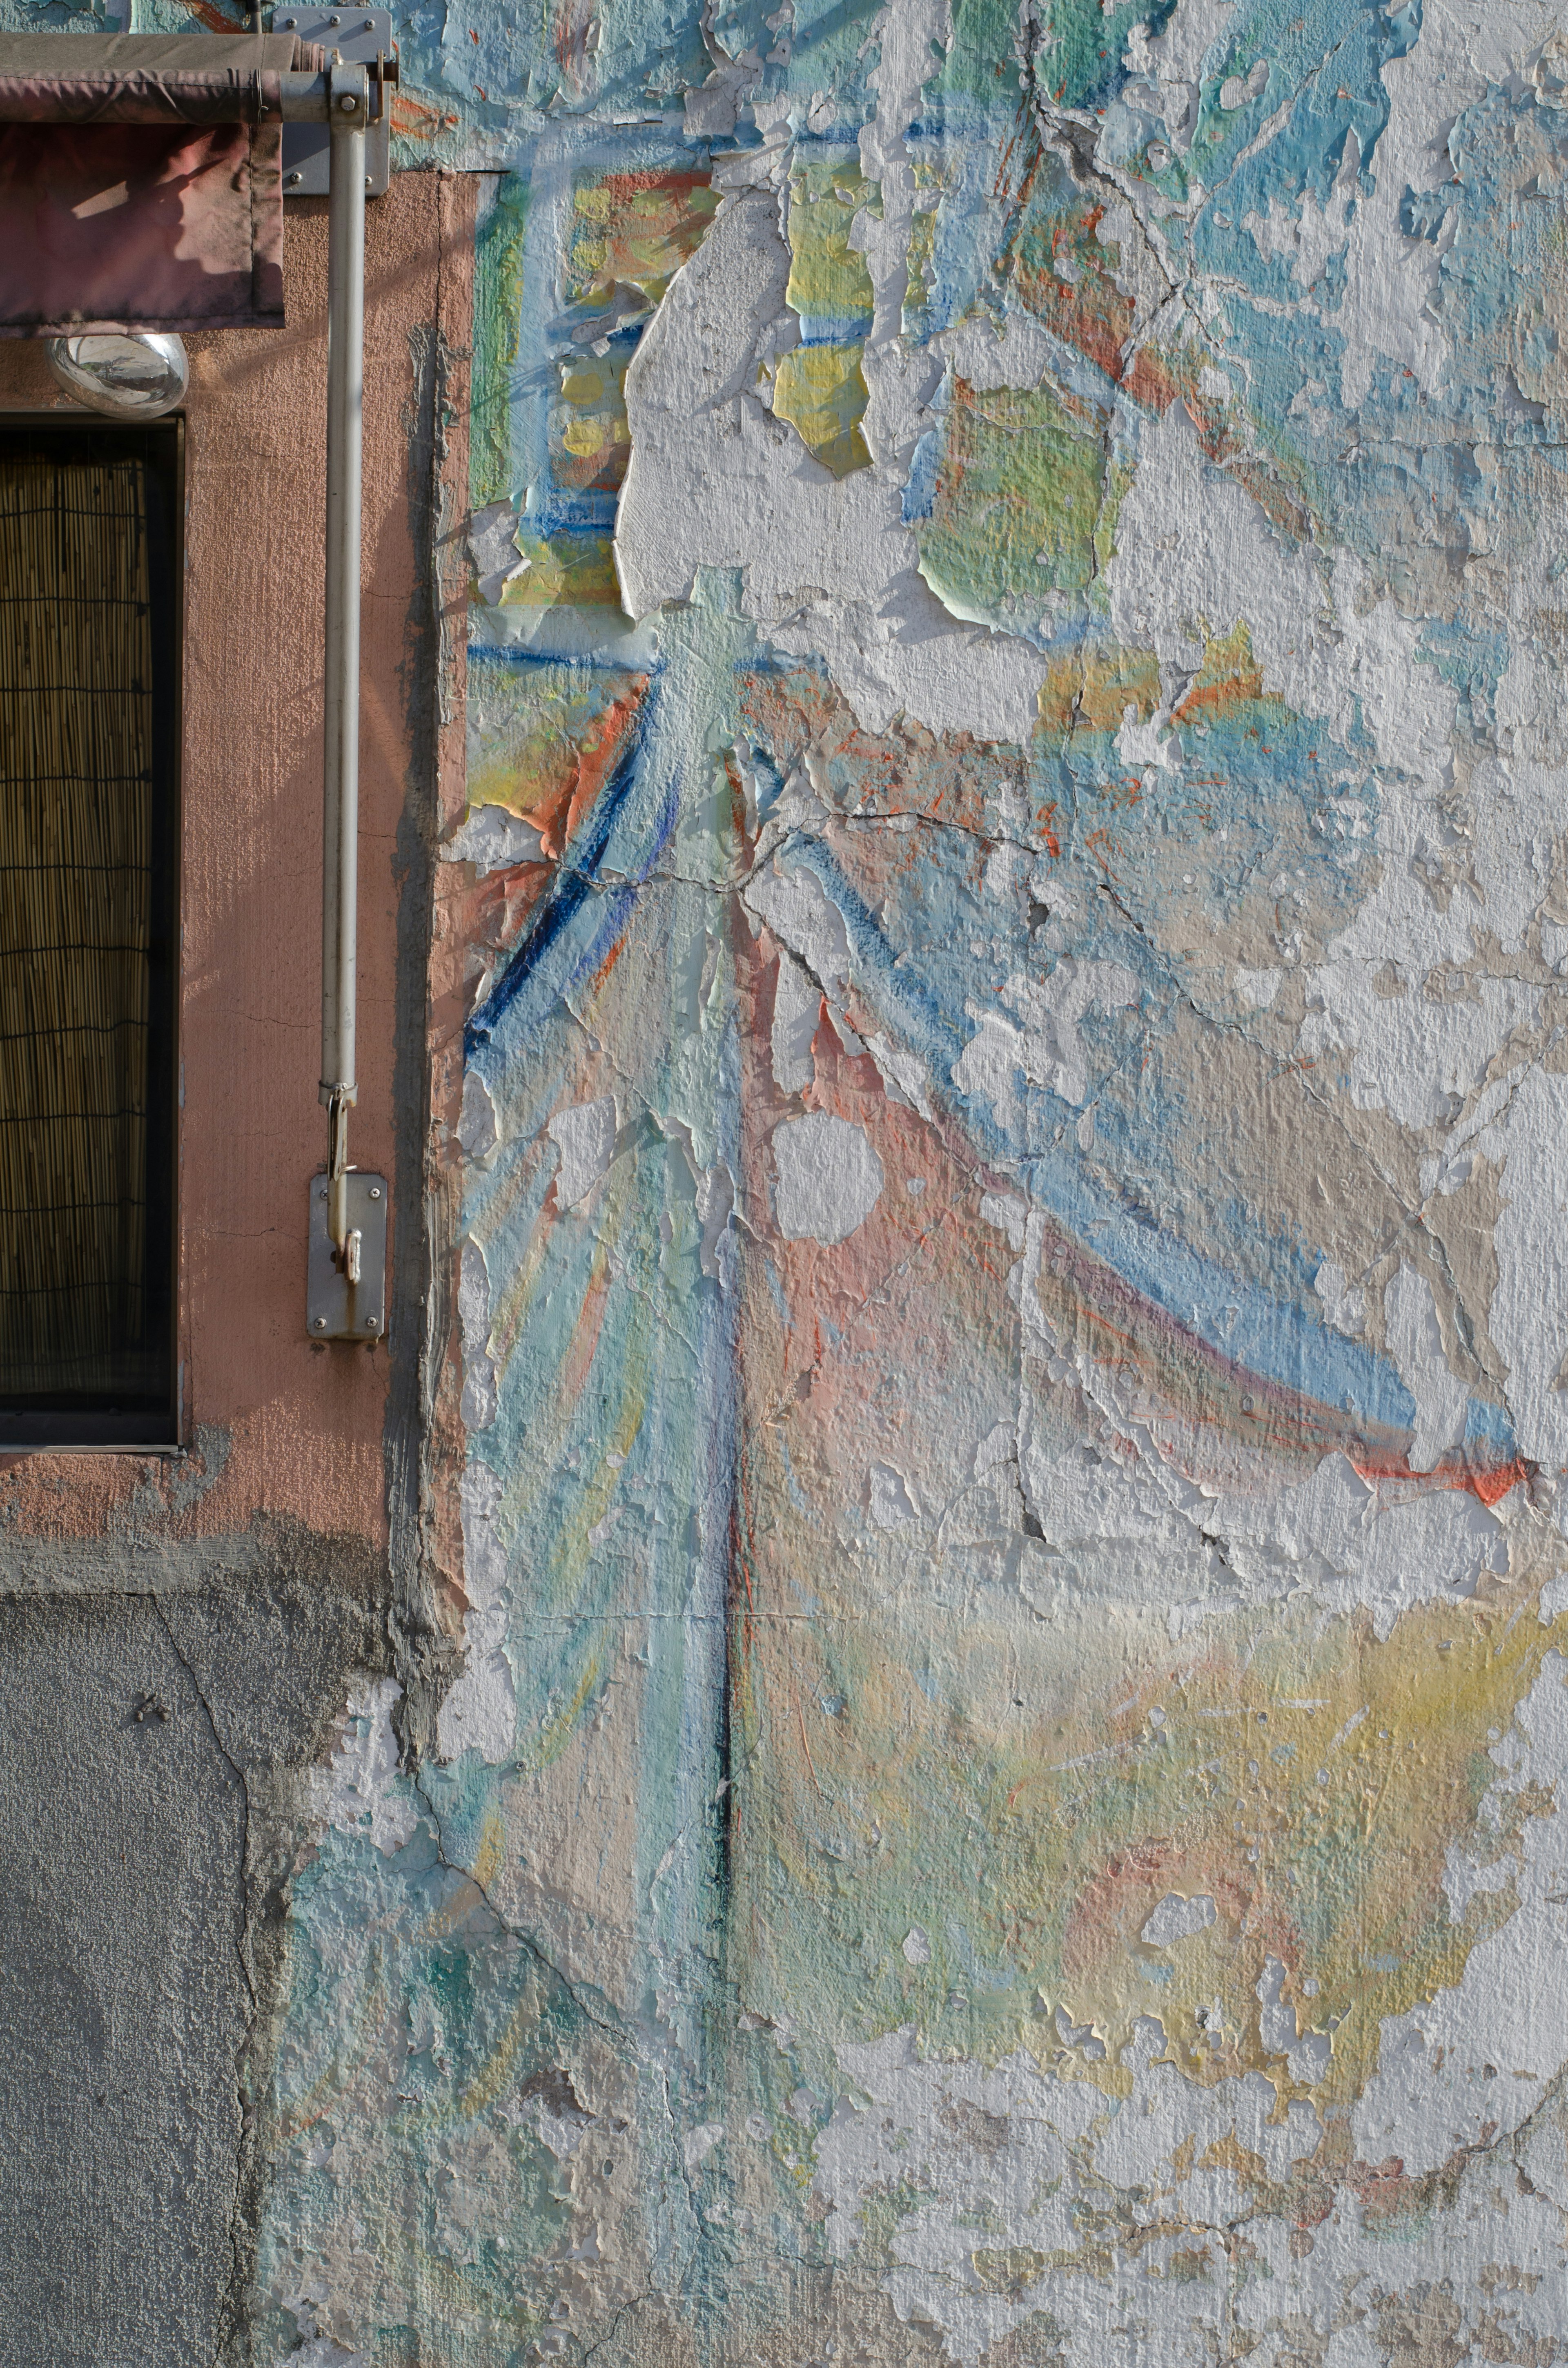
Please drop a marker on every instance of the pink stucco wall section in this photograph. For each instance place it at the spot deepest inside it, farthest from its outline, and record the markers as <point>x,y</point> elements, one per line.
<point>297,1430</point>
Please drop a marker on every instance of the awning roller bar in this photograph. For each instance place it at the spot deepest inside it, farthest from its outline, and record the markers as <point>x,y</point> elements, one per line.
<point>307,97</point>
<point>154,78</point>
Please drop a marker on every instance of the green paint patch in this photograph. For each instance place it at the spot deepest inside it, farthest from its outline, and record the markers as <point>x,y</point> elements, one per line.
<point>545,740</point>
<point>590,441</point>
<point>633,229</point>
<point>819,387</point>
<point>497,312</point>
<point>1035,1861</point>
<point>979,66</point>
<point>821,390</point>
<point>564,570</point>
<point>1020,488</point>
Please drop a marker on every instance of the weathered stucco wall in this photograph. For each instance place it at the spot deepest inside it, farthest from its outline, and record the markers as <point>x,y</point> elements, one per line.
<point>279,1429</point>
<point>181,1636</point>
<point>966,1760</point>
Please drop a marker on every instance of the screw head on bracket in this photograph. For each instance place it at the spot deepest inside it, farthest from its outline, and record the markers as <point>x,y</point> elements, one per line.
<point>375,1192</point>
<point>321,1323</point>
<point>371,1325</point>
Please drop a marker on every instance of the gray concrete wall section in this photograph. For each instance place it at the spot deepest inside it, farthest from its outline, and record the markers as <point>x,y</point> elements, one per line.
<point>181,1636</point>
<point>152,1759</point>
<point>124,1991</point>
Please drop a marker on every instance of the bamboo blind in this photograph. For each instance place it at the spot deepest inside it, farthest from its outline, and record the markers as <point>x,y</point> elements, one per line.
<point>75,852</point>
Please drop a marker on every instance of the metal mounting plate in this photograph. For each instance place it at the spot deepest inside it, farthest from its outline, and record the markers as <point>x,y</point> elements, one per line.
<point>356,34</point>
<point>336,1309</point>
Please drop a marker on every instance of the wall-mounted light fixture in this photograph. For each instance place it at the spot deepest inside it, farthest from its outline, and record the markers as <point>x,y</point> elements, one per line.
<point>135,375</point>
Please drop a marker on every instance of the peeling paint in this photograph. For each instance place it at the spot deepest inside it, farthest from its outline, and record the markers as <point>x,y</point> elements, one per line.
<point>1001,1801</point>
<point>1010,1202</point>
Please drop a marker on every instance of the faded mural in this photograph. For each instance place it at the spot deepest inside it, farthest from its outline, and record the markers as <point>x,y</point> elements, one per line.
<point>1004,1801</point>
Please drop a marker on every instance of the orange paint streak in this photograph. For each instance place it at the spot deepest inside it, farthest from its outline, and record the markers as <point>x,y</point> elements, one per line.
<point>414,120</point>
<point>1217,699</point>
<point>578,1363</point>
<point>559,812</point>
<point>1149,382</point>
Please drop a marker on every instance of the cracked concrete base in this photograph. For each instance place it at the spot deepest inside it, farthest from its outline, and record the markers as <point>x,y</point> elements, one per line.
<point>150,1749</point>
<point>123,2000</point>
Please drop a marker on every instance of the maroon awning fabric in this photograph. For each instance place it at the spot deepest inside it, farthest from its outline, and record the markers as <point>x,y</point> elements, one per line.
<point>140,180</point>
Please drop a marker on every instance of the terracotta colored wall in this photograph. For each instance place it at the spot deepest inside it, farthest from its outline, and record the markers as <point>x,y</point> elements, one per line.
<point>273,1423</point>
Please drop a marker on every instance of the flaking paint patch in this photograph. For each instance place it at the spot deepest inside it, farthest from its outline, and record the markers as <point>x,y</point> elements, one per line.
<point>829,1178</point>
<point>1004,1789</point>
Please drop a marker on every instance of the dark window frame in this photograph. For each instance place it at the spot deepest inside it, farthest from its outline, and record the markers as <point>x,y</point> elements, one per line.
<point>65,1427</point>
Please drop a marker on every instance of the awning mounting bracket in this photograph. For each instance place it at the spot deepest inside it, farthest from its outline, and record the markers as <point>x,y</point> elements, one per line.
<point>361,37</point>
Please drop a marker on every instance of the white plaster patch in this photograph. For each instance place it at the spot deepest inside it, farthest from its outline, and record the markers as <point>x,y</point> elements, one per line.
<point>493,549</point>
<point>1344,1303</point>
<point>1045,1044</point>
<point>585,1137</point>
<point>1196,556</point>
<point>797,1011</point>
<point>1256,988</point>
<point>891,1502</point>
<point>904,1074</point>
<point>1423,1050</point>
<point>1388,1545</point>
<point>995,1449</point>
<point>802,915</point>
<point>1008,1215</point>
<point>987,356</point>
<point>1529,1316</point>
<point>478,1402</point>
<point>1175,1918</point>
<point>479,1713</point>
<point>699,2143</point>
<point>1474,2061</point>
<point>1176,60</point>
<point>494,840</point>
<point>1415,1343</point>
<point>829,565</point>
<point>476,1124</point>
<point>360,1790</point>
<point>999,2164</point>
<point>829,1178</point>
<point>1152,744</point>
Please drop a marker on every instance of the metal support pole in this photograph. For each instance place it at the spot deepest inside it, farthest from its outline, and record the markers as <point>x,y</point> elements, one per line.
<point>349,109</point>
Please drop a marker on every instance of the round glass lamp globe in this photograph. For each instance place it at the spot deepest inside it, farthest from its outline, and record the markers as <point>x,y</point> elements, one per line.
<point>130,376</point>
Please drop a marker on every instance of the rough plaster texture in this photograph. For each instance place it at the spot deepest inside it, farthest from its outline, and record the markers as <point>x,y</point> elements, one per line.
<point>969,1758</point>
<point>123,1829</point>
<point>156,1776</point>
<point>252,1585</point>
<point>293,1432</point>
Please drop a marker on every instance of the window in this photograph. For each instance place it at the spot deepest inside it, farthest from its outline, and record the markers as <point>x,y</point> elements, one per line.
<point>89,753</point>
